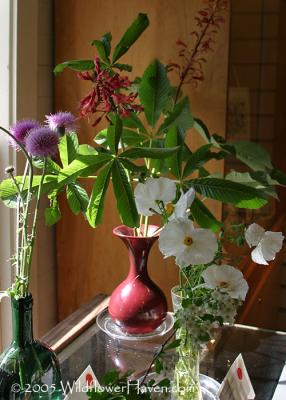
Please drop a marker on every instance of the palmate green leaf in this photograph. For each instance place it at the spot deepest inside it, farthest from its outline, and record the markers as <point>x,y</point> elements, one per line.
<point>96,204</point>
<point>252,154</point>
<point>51,168</point>
<point>278,176</point>
<point>181,116</point>
<point>202,129</point>
<point>240,195</point>
<point>53,214</point>
<point>146,152</point>
<point>129,137</point>
<point>259,180</point>
<point>77,198</point>
<point>76,65</point>
<point>68,147</point>
<point>87,162</point>
<point>8,190</point>
<point>173,162</point>
<point>114,135</point>
<point>153,91</point>
<point>124,196</point>
<point>199,157</point>
<point>123,67</point>
<point>133,33</point>
<point>133,121</point>
<point>204,217</point>
<point>133,167</point>
<point>103,47</point>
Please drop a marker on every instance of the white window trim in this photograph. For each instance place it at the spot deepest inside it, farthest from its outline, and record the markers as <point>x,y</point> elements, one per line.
<point>8,22</point>
<point>20,91</point>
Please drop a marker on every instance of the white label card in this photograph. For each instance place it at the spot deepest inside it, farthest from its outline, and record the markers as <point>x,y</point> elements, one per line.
<point>236,385</point>
<point>86,381</point>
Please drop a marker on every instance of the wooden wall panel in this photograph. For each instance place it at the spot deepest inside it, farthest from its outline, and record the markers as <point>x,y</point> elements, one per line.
<point>92,261</point>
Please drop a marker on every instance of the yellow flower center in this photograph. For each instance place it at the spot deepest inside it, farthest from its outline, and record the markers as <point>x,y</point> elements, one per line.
<point>170,208</point>
<point>188,241</point>
<point>223,285</point>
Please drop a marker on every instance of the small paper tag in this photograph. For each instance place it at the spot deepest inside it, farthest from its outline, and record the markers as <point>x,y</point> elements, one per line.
<point>236,385</point>
<point>85,382</point>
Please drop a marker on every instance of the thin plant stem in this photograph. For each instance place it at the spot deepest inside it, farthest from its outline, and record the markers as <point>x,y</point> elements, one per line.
<point>181,279</point>
<point>156,355</point>
<point>146,219</point>
<point>146,226</point>
<point>20,202</point>
<point>36,215</point>
<point>26,214</point>
<point>25,241</point>
<point>19,229</point>
<point>186,277</point>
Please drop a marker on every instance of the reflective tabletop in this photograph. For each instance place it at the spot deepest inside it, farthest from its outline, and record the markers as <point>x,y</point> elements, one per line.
<point>264,353</point>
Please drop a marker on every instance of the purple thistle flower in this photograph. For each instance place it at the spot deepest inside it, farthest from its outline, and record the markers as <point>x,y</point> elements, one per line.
<point>61,122</point>
<point>20,131</point>
<point>42,142</point>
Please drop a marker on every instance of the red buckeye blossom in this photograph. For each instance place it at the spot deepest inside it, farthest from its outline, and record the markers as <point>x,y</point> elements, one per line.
<point>107,94</point>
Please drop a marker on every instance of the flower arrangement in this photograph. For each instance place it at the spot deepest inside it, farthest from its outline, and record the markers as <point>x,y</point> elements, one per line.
<point>39,143</point>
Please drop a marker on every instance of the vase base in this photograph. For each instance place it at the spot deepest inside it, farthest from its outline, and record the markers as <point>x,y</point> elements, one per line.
<point>209,386</point>
<point>107,325</point>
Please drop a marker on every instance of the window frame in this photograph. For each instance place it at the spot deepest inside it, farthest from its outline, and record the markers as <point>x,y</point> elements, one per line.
<point>8,19</point>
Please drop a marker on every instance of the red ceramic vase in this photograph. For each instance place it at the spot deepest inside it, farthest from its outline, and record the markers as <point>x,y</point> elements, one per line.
<point>137,305</point>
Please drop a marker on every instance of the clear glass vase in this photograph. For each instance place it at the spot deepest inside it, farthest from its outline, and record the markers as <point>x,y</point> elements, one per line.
<point>186,380</point>
<point>28,368</point>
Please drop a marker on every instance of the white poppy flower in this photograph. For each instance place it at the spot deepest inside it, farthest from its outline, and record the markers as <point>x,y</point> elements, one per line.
<point>226,278</point>
<point>180,239</point>
<point>267,243</point>
<point>148,194</point>
<point>180,209</point>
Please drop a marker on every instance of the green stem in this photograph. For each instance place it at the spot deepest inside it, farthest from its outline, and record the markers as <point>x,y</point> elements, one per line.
<point>186,277</point>
<point>24,232</point>
<point>156,355</point>
<point>181,279</point>
<point>20,202</point>
<point>20,222</point>
<point>34,228</point>
<point>138,230</point>
<point>146,219</point>
<point>25,239</point>
<point>146,226</point>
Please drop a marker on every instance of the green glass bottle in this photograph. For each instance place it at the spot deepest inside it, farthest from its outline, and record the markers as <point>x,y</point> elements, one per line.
<point>28,368</point>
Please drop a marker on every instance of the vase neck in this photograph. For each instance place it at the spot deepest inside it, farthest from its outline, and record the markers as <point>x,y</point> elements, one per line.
<point>139,249</point>
<point>138,246</point>
<point>22,321</point>
<point>138,256</point>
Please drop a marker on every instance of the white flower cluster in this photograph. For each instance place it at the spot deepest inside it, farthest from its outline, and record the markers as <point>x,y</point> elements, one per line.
<point>200,320</point>
<point>226,307</point>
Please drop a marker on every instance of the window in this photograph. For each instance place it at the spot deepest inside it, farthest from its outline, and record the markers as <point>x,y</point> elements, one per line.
<point>7,107</point>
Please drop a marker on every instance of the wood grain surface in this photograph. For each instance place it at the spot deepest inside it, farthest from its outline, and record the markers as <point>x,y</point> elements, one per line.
<point>92,261</point>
